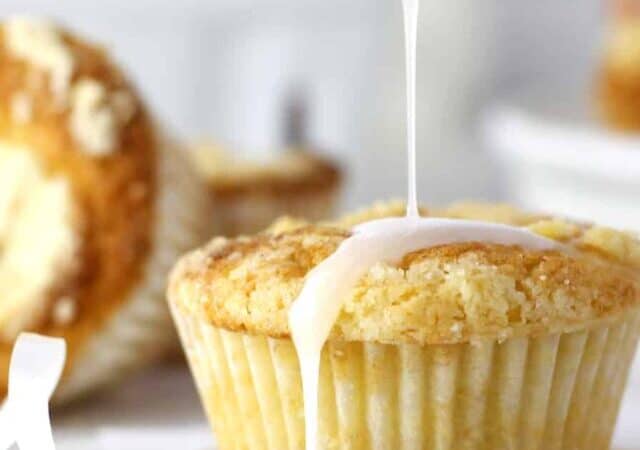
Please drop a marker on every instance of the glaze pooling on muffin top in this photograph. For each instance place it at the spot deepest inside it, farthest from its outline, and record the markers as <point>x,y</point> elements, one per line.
<point>315,311</point>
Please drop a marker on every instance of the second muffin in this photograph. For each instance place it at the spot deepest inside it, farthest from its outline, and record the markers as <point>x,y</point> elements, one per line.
<point>247,195</point>
<point>95,206</point>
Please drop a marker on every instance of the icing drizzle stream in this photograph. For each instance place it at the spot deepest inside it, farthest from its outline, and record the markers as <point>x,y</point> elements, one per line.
<point>318,306</point>
<point>411,9</point>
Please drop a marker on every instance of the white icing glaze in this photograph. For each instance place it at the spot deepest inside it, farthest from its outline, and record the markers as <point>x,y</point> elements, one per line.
<point>315,311</point>
<point>411,8</point>
<point>36,367</point>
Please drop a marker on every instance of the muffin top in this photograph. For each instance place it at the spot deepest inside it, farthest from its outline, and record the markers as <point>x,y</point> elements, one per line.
<point>622,45</point>
<point>445,294</point>
<point>77,181</point>
<point>293,171</point>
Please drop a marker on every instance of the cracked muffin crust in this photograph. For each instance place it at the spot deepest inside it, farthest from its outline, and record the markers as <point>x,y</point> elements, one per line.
<point>446,294</point>
<point>467,345</point>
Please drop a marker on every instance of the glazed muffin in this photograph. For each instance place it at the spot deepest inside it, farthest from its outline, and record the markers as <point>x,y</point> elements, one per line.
<point>468,345</point>
<point>618,89</point>
<point>248,195</point>
<point>95,206</point>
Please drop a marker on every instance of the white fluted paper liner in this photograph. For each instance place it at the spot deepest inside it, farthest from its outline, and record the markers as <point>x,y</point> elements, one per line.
<point>549,392</point>
<point>142,331</point>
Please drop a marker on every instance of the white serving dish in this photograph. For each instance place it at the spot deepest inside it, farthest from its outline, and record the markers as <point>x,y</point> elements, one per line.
<point>556,158</point>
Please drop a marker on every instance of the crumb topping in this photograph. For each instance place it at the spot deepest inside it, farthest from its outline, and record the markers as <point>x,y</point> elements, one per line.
<point>39,42</point>
<point>379,210</point>
<point>444,294</point>
<point>96,111</point>
<point>622,247</point>
<point>556,229</point>
<point>21,107</point>
<point>64,311</point>
<point>98,115</point>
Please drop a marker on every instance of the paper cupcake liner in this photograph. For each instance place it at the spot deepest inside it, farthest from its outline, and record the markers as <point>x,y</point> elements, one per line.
<point>252,213</point>
<point>141,331</point>
<point>550,392</point>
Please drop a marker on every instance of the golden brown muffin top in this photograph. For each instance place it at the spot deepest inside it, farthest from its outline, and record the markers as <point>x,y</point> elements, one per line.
<point>622,47</point>
<point>63,102</point>
<point>444,294</point>
<point>618,99</point>
<point>290,172</point>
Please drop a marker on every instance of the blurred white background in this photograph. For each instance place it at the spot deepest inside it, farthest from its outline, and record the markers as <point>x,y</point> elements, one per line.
<point>223,69</point>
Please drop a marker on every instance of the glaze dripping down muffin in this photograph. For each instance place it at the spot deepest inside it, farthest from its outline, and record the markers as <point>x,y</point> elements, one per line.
<point>468,345</point>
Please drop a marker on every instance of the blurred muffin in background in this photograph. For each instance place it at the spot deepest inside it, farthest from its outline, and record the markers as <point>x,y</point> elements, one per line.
<point>248,195</point>
<point>95,206</point>
<point>618,87</point>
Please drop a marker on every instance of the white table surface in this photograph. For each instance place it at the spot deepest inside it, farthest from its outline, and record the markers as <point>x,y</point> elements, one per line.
<point>159,410</point>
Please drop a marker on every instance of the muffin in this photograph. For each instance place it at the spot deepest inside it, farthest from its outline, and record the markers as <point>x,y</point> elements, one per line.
<point>248,195</point>
<point>469,345</point>
<point>95,206</point>
<point>618,88</point>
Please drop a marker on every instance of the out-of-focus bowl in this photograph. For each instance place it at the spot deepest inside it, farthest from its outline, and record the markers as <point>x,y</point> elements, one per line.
<point>555,157</point>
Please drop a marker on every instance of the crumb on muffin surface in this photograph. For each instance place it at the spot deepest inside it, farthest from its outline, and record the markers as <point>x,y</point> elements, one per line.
<point>444,294</point>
